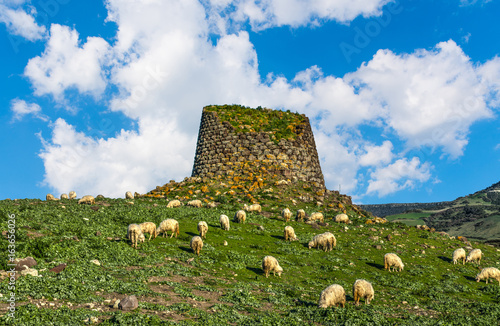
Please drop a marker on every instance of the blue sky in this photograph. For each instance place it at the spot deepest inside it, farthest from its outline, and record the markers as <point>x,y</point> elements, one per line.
<point>106,97</point>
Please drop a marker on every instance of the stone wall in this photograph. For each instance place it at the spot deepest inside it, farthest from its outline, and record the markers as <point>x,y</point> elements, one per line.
<point>220,150</point>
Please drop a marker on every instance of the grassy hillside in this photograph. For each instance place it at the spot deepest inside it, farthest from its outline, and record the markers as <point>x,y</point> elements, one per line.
<point>225,284</point>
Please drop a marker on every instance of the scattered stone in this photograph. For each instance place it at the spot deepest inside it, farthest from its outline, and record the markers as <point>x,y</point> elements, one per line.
<point>190,260</point>
<point>225,243</point>
<point>129,303</point>
<point>76,238</point>
<point>261,228</point>
<point>116,304</point>
<point>389,237</point>
<point>28,261</point>
<point>58,268</point>
<point>29,271</point>
<point>378,247</point>
<point>109,238</point>
<point>373,237</point>
<point>95,261</point>
<point>98,234</point>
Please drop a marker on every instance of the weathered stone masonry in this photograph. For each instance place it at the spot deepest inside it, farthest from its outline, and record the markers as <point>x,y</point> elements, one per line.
<point>221,151</point>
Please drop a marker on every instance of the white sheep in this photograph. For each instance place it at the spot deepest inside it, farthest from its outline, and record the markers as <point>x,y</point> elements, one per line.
<point>392,260</point>
<point>87,200</point>
<point>134,233</point>
<point>149,227</point>
<point>203,229</point>
<point>332,296</point>
<point>174,203</point>
<point>342,218</point>
<point>317,216</point>
<point>289,234</point>
<point>50,197</point>
<point>270,264</point>
<point>196,244</point>
<point>128,195</point>
<point>489,272</point>
<point>195,203</point>
<point>362,289</point>
<point>325,241</point>
<point>72,195</point>
<point>474,255</point>
<point>252,208</point>
<point>240,216</point>
<point>301,214</point>
<point>168,225</point>
<point>224,222</point>
<point>64,196</point>
<point>286,214</point>
<point>459,254</point>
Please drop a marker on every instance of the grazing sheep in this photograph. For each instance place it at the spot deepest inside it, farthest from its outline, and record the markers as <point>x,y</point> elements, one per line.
<point>134,233</point>
<point>301,214</point>
<point>286,214</point>
<point>72,195</point>
<point>315,217</point>
<point>489,272</point>
<point>64,196</point>
<point>128,195</point>
<point>203,229</point>
<point>224,222</point>
<point>195,203</point>
<point>362,289</point>
<point>149,227</point>
<point>270,264</point>
<point>325,241</point>
<point>342,218</point>
<point>459,254</point>
<point>392,260</point>
<point>174,203</point>
<point>474,255</point>
<point>289,234</point>
<point>332,296</point>
<point>240,216</point>
<point>168,225</point>
<point>50,197</point>
<point>87,200</point>
<point>253,208</point>
<point>196,244</point>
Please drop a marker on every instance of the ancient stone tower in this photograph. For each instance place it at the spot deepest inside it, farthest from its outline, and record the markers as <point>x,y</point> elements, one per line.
<point>233,138</point>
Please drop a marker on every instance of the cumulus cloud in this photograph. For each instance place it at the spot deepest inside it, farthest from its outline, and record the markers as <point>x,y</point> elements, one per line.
<point>20,108</point>
<point>65,64</point>
<point>20,23</point>
<point>165,69</point>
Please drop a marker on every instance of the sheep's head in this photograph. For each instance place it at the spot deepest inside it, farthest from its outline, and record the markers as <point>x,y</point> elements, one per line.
<point>142,238</point>
<point>311,244</point>
<point>279,270</point>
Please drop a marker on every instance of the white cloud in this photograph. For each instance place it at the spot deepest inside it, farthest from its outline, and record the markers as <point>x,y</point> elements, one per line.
<point>397,176</point>
<point>65,64</point>
<point>377,155</point>
<point>20,108</point>
<point>20,23</point>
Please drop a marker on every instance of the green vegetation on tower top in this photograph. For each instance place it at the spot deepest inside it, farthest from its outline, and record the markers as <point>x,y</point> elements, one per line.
<point>278,124</point>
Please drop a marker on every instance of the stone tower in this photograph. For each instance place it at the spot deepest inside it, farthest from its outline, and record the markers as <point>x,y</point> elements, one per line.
<point>224,149</point>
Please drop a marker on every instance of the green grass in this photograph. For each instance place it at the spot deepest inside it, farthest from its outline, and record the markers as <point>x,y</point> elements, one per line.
<point>225,284</point>
<point>410,219</point>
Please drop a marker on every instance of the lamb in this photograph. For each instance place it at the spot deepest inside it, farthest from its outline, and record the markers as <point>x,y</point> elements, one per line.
<point>325,241</point>
<point>168,225</point>
<point>203,229</point>
<point>134,233</point>
<point>196,244</point>
<point>224,222</point>
<point>392,260</point>
<point>87,200</point>
<point>195,203</point>
<point>240,216</point>
<point>72,195</point>
<point>174,203</point>
<point>362,289</point>
<point>286,214</point>
<point>316,217</point>
<point>459,254</point>
<point>489,272</point>
<point>474,255</point>
<point>64,196</point>
<point>252,208</point>
<point>342,218</point>
<point>50,197</point>
<point>301,214</point>
<point>332,296</point>
<point>289,234</point>
<point>149,227</point>
<point>270,264</point>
